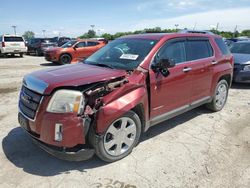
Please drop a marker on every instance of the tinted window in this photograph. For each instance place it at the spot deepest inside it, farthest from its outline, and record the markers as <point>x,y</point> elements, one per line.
<point>1,39</point>
<point>172,50</point>
<point>13,39</point>
<point>241,48</point>
<point>198,49</point>
<point>92,43</point>
<point>223,48</point>
<point>81,45</point>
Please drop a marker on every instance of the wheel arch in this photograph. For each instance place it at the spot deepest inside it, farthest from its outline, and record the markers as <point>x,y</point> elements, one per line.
<point>226,77</point>
<point>136,100</point>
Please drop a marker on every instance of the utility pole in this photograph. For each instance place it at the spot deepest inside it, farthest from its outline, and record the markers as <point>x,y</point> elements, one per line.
<point>44,33</point>
<point>217,27</point>
<point>14,27</point>
<point>176,27</point>
<point>235,30</point>
<point>194,26</point>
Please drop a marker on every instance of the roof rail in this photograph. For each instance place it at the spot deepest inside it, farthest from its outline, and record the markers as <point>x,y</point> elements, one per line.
<point>196,31</point>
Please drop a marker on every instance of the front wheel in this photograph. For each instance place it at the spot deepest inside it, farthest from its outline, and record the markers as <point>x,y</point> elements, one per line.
<point>120,138</point>
<point>220,97</point>
<point>64,59</point>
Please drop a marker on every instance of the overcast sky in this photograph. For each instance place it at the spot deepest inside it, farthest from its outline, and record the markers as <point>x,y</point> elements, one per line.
<point>73,18</point>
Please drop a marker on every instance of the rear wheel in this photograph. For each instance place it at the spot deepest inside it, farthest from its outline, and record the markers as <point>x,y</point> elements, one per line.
<point>220,96</point>
<point>65,59</point>
<point>21,54</point>
<point>120,138</point>
<point>38,52</point>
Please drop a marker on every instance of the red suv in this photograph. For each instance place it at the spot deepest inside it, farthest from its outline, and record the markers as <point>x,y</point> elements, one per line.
<point>105,103</point>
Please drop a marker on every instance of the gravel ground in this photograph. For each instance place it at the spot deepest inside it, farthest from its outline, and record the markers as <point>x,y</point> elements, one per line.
<point>196,149</point>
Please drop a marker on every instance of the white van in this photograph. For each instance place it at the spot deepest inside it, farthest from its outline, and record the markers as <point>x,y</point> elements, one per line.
<point>10,44</point>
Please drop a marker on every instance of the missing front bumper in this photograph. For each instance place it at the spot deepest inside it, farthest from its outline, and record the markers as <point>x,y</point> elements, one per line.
<point>79,155</point>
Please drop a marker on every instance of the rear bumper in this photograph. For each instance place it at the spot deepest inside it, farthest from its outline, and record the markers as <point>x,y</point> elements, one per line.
<point>6,50</point>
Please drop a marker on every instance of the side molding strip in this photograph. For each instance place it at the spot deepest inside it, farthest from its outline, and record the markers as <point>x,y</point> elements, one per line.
<point>178,111</point>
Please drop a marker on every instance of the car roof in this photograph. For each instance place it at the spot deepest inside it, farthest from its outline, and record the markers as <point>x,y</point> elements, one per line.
<point>159,36</point>
<point>244,41</point>
<point>86,40</point>
<point>6,35</point>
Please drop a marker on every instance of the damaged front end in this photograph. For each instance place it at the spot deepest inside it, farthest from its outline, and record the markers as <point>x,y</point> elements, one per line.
<point>67,122</point>
<point>94,95</point>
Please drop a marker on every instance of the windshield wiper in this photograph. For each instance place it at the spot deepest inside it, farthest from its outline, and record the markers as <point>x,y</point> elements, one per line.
<point>102,65</point>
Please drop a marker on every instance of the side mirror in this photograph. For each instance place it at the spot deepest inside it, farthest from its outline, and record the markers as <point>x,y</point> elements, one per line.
<point>162,66</point>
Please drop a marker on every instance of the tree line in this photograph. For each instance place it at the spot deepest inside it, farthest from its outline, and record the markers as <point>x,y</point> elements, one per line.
<point>92,34</point>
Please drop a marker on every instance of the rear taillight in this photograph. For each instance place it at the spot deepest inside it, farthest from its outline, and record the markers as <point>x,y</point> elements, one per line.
<point>3,44</point>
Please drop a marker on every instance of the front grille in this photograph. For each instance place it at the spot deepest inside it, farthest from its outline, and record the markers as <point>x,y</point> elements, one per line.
<point>29,102</point>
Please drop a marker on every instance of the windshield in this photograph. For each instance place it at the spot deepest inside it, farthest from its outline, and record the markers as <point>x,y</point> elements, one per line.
<point>241,48</point>
<point>124,54</point>
<point>69,44</point>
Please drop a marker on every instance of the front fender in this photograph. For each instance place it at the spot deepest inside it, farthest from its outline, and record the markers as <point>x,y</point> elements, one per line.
<point>115,109</point>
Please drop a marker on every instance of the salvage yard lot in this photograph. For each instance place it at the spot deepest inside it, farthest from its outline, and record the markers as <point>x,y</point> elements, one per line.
<point>196,149</point>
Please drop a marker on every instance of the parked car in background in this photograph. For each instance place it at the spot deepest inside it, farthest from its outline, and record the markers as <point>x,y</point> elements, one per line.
<point>100,39</point>
<point>10,44</point>
<point>241,53</point>
<point>61,40</point>
<point>105,103</point>
<point>39,45</point>
<point>73,51</point>
<point>229,42</point>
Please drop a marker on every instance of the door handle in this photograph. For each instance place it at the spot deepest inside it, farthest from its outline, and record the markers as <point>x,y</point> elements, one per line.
<point>214,62</point>
<point>187,69</point>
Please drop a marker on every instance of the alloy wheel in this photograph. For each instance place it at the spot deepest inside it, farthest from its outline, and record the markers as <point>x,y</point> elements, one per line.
<point>120,136</point>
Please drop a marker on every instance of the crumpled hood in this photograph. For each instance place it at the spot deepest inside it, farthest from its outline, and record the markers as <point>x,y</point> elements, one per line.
<point>45,81</point>
<point>241,58</point>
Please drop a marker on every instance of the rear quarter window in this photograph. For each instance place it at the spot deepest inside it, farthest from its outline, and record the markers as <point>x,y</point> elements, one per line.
<point>222,46</point>
<point>198,49</point>
<point>13,39</point>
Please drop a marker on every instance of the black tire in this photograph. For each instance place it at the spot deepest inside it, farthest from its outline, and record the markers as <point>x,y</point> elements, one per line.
<point>98,141</point>
<point>38,52</point>
<point>65,59</point>
<point>21,54</point>
<point>213,104</point>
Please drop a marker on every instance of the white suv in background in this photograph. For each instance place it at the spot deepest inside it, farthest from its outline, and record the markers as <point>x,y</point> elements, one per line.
<point>10,44</point>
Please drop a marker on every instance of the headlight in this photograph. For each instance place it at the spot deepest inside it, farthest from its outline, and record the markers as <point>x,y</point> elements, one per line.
<point>64,101</point>
<point>246,68</point>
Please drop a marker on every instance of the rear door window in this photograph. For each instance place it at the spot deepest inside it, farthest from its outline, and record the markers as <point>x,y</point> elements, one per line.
<point>13,39</point>
<point>173,50</point>
<point>92,43</point>
<point>198,49</point>
<point>222,46</point>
